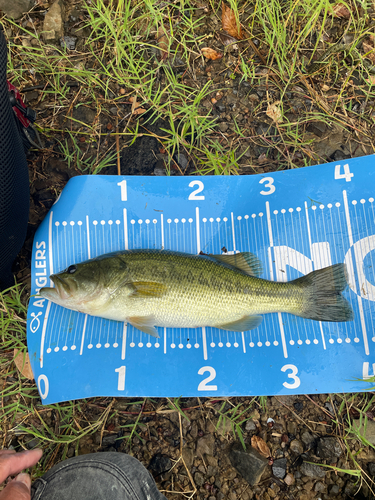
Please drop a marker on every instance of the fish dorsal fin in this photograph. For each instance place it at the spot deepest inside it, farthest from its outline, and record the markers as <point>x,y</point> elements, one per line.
<point>148,289</point>
<point>145,324</point>
<point>245,261</point>
<point>243,324</point>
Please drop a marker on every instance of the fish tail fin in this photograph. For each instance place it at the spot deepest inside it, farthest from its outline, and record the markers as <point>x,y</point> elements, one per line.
<point>322,291</point>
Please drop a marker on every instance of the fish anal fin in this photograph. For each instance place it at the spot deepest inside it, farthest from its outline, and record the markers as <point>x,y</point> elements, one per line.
<point>148,289</point>
<point>145,324</point>
<point>245,261</point>
<point>243,324</point>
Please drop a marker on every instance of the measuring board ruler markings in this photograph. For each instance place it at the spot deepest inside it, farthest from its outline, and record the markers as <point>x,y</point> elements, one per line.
<point>294,221</point>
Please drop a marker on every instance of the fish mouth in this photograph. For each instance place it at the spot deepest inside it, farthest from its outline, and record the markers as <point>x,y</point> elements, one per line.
<point>62,287</point>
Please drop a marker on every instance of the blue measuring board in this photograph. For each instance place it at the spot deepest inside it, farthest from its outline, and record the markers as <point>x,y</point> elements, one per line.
<point>294,221</point>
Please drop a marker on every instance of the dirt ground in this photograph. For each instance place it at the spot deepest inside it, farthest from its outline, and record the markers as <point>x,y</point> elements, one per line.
<point>190,445</point>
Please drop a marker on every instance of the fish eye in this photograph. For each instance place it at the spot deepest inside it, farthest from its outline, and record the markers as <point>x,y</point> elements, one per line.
<point>71,269</point>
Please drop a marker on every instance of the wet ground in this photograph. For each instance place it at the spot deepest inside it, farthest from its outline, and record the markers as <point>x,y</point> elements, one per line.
<point>196,451</point>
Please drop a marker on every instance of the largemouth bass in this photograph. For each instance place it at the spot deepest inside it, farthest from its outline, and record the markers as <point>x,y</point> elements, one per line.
<point>148,288</point>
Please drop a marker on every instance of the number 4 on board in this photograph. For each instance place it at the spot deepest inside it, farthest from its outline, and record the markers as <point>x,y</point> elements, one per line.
<point>347,175</point>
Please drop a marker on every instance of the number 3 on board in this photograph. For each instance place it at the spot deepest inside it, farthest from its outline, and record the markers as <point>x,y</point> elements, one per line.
<point>293,375</point>
<point>268,184</point>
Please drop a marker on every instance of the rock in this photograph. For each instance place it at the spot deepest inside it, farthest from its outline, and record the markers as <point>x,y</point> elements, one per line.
<point>296,447</point>
<point>250,426</point>
<point>298,406</point>
<point>319,487</point>
<point>289,479</point>
<point>109,440</point>
<point>371,469</point>
<point>53,27</point>
<point>249,463</point>
<point>329,449</point>
<point>199,479</point>
<point>205,445</point>
<point>369,432</point>
<point>312,470</point>
<point>367,455</point>
<point>223,126</point>
<point>334,490</point>
<point>34,443</point>
<point>307,438</point>
<point>279,468</point>
<point>69,42</point>
<point>159,463</point>
<point>15,8</point>
<point>188,456</point>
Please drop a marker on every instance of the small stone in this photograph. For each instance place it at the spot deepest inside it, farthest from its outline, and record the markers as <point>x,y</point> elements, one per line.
<point>109,440</point>
<point>296,447</point>
<point>329,449</point>
<point>298,405</point>
<point>279,468</point>
<point>205,445</point>
<point>160,463</point>
<point>334,490</point>
<point>34,443</point>
<point>289,479</point>
<point>307,438</point>
<point>371,469</point>
<point>369,433</point>
<point>188,456</point>
<point>53,27</point>
<point>312,470</point>
<point>319,487</point>
<point>250,426</point>
<point>68,42</point>
<point>223,126</point>
<point>15,8</point>
<point>249,463</point>
<point>199,479</point>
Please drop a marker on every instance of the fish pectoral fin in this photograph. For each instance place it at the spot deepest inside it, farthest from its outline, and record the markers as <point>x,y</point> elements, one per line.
<point>148,289</point>
<point>145,324</point>
<point>245,261</point>
<point>243,324</point>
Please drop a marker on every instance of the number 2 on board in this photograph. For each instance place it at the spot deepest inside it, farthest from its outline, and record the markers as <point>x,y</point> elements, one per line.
<point>193,195</point>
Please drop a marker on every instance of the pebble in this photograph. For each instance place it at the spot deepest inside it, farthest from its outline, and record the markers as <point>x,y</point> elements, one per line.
<point>334,490</point>
<point>69,42</point>
<point>160,463</point>
<point>250,425</point>
<point>289,479</point>
<point>249,463</point>
<point>319,487</point>
<point>199,479</point>
<point>296,447</point>
<point>329,449</point>
<point>371,469</point>
<point>206,445</point>
<point>312,470</point>
<point>223,126</point>
<point>307,438</point>
<point>279,468</point>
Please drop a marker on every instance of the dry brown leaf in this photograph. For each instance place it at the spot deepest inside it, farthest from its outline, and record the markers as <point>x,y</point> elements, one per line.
<point>136,106</point>
<point>163,43</point>
<point>229,22</point>
<point>23,363</point>
<point>341,10</point>
<point>211,53</point>
<point>259,444</point>
<point>368,49</point>
<point>371,80</point>
<point>274,112</point>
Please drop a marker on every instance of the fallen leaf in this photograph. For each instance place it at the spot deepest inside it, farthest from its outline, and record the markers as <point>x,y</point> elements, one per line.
<point>22,363</point>
<point>259,444</point>
<point>274,112</point>
<point>369,50</point>
<point>136,106</point>
<point>228,40</point>
<point>340,10</point>
<point>211,53</point>
<point>163,43</point>
<point>229,22</point>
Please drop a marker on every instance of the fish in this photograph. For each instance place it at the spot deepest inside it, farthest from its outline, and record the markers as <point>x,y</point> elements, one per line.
<point>151,288</point>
